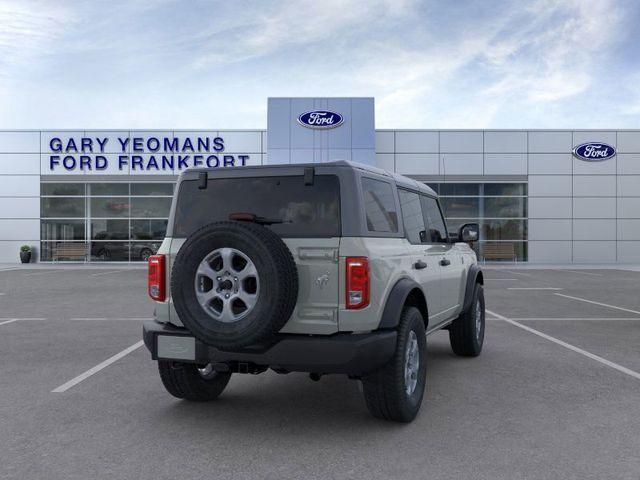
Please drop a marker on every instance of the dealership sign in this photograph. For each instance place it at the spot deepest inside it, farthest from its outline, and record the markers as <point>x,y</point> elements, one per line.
<point>320,119</point>
<point>131,154</point>
<point>594,151</point>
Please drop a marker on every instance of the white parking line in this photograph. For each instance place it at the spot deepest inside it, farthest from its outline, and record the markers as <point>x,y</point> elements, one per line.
<point>10,269</point>
<point>124,319</point>
<point>579,272</point>
<point>598,303</point>
<point>573,319</point>
<point>4,321</point>
<point>106,273</point>
<point>83,376</point>
<point>519,273</point>
<point>533,288</point>
<point>39,273</point>
<point>568,346</point>
<point>2,294</point>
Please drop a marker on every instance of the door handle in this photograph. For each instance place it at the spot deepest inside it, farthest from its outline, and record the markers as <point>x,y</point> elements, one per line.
<point>419,265</point>
<point>444,262</point>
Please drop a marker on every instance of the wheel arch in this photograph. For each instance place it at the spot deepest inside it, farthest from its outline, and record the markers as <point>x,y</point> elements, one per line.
<point>473,276</point>
<point>404,292</point>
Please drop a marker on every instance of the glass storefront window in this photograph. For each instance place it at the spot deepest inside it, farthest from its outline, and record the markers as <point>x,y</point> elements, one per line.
<point>62,207</point>
<point>460,189</point>
<point>505,207</point>
<point>461,207</point>
<point>117,221</point>
<point>148,229</point>
<point>505,189</point>
<point>141,251</point>
<point>110,251</point>
<point>109,207</point>
<point>102,229</point>
<point>519,249</point>
<point>62,189</point>
<point>150,207</point>
<point>504,230</point>
<point>454,224</point>
<point>150,189</point>
<point>499,208</point>
<point>108,189</point>
<point>62,229</point>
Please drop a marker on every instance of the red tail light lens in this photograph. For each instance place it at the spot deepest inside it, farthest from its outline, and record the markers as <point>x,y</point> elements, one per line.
<point>156,278</point>
<point>357,280</point>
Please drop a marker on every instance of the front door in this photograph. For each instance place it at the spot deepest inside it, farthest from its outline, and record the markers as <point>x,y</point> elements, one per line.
<point>448,260</point>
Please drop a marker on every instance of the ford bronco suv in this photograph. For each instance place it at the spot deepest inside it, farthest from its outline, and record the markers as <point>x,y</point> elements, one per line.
<point>319,268</point>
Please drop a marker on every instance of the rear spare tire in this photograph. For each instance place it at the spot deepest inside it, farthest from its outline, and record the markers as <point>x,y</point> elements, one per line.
<point>234,284</point>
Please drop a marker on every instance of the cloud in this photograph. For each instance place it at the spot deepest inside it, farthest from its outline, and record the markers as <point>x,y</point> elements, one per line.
<point>429,64</point>
<point>554,54</point>
<point>264,28</point>
<point>547,52</point>
<point>28,29</point>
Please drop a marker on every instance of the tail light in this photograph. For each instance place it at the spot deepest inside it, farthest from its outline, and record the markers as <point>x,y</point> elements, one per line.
<point>156,278</point>
<point>357,282</point>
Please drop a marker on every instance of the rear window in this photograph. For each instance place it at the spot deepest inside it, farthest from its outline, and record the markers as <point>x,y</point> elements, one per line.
<point>305,210</point>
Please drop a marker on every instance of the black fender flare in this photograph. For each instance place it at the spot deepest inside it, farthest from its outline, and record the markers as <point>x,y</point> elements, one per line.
<point>396,300</point>
<point>473,276</point>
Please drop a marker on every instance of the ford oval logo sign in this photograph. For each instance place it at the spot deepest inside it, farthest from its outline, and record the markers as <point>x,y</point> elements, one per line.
<point>321,119</point>
<point>594,151</point>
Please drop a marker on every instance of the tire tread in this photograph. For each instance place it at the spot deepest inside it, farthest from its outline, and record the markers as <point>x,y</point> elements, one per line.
<point>462,329</point>
<point>182,380</point>
<point>384,389</point>
<point>262,332</point>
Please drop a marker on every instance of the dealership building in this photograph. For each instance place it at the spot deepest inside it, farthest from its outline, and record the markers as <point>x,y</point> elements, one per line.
<point>540,196</point>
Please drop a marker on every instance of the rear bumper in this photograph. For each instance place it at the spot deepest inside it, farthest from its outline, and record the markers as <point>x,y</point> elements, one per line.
<point>352,354</point>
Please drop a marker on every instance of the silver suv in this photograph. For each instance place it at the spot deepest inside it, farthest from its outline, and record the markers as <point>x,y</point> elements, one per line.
<point>322,268</point>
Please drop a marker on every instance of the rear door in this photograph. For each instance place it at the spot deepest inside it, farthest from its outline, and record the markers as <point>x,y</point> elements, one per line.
<point>425,257</point>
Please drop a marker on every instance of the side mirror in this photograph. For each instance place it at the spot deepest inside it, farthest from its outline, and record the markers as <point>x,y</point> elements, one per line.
<point>469,232</point>
<point>423,236</point>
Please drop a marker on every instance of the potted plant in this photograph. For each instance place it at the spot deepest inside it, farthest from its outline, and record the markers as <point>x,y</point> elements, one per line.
<point>25,253</point>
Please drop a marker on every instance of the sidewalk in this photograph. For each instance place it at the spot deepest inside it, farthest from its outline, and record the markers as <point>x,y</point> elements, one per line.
<point>556,266</point>
<point>73,266</point>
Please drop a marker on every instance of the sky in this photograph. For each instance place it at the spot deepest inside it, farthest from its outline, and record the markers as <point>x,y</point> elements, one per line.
<point>212,64</point>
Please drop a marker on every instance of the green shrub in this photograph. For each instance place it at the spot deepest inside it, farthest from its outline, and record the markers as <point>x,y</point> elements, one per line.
<point>25,248</point>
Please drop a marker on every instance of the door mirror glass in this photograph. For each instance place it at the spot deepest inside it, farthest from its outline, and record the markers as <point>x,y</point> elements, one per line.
<point>469,233</point>
<point>423,236</point>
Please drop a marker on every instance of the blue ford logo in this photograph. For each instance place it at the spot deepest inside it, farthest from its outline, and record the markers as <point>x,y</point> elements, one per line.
<point>321,119</point>
<point>594,151</point>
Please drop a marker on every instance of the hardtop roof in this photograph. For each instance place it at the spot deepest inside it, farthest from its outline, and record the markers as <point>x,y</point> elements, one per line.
<point>400,180</point>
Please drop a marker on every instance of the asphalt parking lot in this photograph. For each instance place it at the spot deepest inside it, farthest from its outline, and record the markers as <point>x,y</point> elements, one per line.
<point>555,394</point>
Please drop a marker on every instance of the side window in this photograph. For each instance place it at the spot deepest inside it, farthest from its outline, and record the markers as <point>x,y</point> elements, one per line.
<point>412,215</point>
<point>436,230</point>
<point>380,206</point>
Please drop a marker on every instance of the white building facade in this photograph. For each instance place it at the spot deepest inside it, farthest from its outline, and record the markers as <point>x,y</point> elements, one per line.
<point>110,191</point>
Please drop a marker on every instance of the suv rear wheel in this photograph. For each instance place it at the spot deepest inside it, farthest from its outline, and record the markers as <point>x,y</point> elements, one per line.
<point>188,381</point>
<point>466,333</point>
<point>395,391</point>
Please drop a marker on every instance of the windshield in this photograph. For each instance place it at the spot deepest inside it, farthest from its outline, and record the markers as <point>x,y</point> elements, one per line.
<point>298,210</point>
